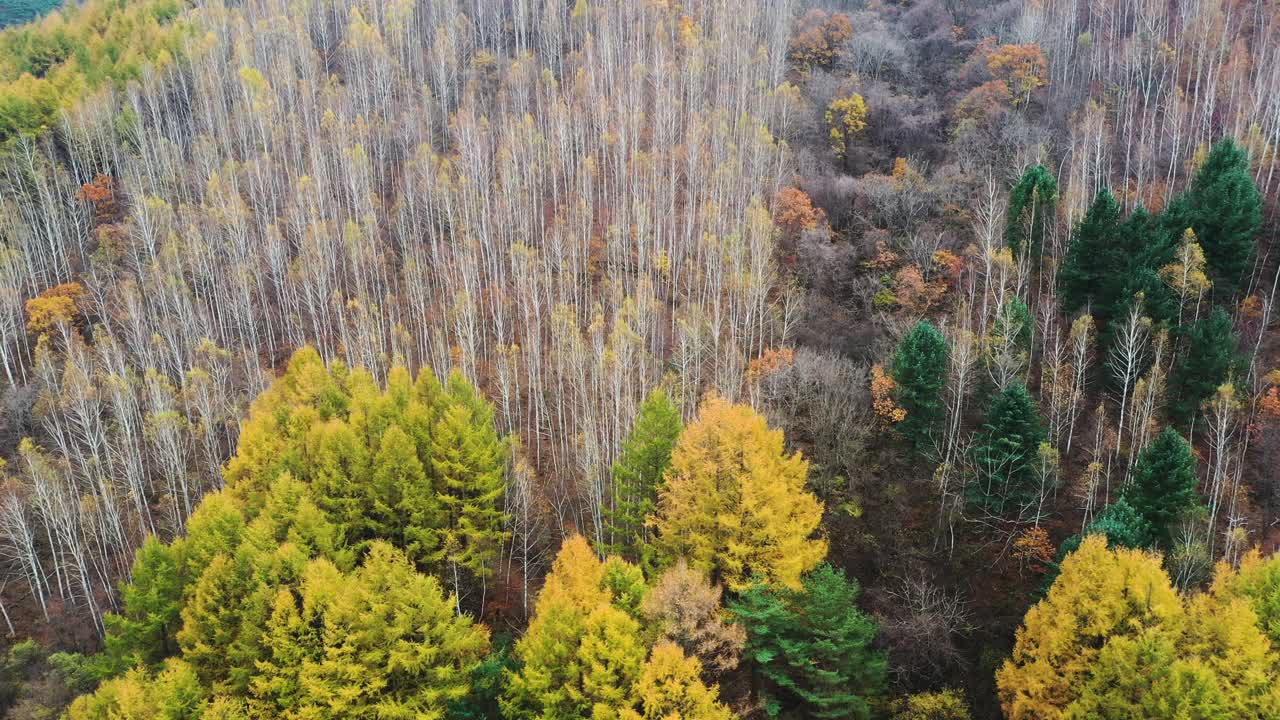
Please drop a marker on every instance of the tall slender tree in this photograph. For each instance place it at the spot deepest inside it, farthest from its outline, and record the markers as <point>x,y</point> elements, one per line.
<point>1006,452</point>
<point>1209,359</point>
<point>920,375</point>
<point>1032,203</point>
<point>637,475</point>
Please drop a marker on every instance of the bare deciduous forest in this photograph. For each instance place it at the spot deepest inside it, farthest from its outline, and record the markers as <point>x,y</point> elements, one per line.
<point>696,359</point>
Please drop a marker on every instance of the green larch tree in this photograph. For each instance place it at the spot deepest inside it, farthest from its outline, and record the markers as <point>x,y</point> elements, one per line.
<point>637,475</point>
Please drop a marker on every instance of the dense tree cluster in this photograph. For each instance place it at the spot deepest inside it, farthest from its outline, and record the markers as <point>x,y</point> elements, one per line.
<point>51,64</point>
<point>1114,639</point>
<point>315,582</point>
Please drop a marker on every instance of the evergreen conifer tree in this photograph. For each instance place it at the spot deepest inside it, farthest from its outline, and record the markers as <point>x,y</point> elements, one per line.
<point>1092,258</point>
<point>920,372</point>
<point>637,475</point>
<point>1031,209</point>
<point>1209,360</point>
<point>1164,483</point>
<point>1006,450</point>
<point>1224,208</point>
<point>812,646</point>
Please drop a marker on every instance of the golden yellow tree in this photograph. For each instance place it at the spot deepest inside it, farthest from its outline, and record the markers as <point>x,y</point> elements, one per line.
<point>734,502</point>
<point>670,687</point>
<point>846,117</point>
<point>1099,595</point>
<point>59,305</point>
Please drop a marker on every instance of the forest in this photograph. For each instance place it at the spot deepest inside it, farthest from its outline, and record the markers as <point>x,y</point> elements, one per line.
<point>640,360</point>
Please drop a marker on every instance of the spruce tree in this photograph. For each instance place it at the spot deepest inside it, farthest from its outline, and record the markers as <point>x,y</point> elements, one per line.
<point>1006,451</point>
<point>638,473</point>
<point>1031,209</point>
<point>920,373</point>
<point>1209,360</point>
<point>812,647</point>
<point>1163,486</point>
<point>1091,258</point>
<point>1224,208</point>
<point>1112,258</point>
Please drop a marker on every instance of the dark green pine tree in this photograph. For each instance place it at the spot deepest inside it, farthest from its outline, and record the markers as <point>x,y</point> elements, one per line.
<point>637,475</point>
<point>1006,452</point>
<point>920,371</point>
<point>1224,208</point>
<point>812,647</point>
<point>1111,259</point>
<point>1143,250</point>
<point>1031,209</point>
<point>1208,360</point>
<point>1163,486</point>
<point>1092,257</point>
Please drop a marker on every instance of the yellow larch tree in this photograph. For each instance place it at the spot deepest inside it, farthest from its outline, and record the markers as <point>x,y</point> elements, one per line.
<point>1100,594</point>
<point>734,503</point>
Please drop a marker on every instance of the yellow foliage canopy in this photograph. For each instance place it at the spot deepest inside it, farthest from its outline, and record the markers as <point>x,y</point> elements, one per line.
<point>846,117</point>
<point>735,504</point>
<point>59,305</point>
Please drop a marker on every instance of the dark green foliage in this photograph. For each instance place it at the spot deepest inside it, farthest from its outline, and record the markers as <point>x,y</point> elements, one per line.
<point>487,683</point>
<point>1031,209</point>
<point>1006,451</point>
<point>638,473</point>
<point>13,12</point>
<point>812,647</point>
<point>1163,486</point>
<point>920,371</point>
<point>1020,316</point>
<point>1224,208</point>
<point>1092,259</point>
<point>1208,360</point>
<point>1111,259</point>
